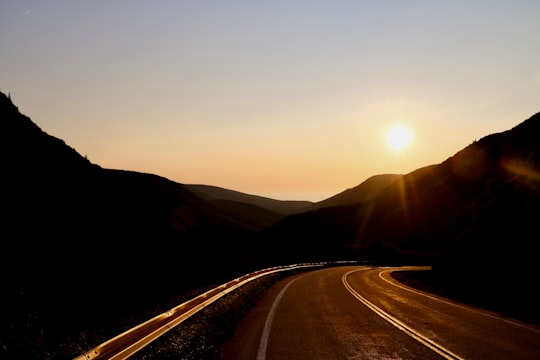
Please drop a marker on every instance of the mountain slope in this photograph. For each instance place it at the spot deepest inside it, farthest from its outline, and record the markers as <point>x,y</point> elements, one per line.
<point>421,210</point>
<point>366,191</point>
<point>499,168</point>
<point>282,207</point>
<point>252,217</point>
<point>363,192</point>
<point>112,242</point>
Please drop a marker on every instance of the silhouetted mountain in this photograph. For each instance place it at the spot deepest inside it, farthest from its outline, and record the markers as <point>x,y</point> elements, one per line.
<point>474,217</point>
<point>282,207</point>
<point>489,190</point>
<point>366,191</point>
<point>77,236</point>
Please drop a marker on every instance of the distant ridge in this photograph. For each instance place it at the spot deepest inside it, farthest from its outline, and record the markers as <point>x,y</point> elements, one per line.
<point>366,191</point>
<point>283,207</point>
<point>363,192</point>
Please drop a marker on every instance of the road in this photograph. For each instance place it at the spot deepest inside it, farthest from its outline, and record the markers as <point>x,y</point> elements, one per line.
<point>354,312</point>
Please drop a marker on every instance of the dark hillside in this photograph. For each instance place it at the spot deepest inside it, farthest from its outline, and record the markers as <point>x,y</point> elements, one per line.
<point>250,216</point>
<point>320,235</point>
<point>114,243</point>
<point>491,188</point>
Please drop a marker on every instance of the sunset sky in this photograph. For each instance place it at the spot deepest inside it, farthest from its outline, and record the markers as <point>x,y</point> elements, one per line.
<point>285,99</point>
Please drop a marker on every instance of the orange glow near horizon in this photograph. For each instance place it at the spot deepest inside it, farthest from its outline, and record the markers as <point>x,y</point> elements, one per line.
<point>290,101</point>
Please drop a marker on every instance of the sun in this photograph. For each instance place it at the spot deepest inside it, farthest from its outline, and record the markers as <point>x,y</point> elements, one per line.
<point>399,137</point>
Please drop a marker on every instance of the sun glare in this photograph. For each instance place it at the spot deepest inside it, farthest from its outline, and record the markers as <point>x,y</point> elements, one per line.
<point>399,137</point>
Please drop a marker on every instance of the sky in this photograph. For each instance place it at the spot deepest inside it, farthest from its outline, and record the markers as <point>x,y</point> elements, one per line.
<point>291,100</point>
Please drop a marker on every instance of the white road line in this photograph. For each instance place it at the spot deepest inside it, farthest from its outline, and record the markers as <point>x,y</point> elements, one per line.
<point>447,354</point>
<point>481,312</point>
<point>261,354</point>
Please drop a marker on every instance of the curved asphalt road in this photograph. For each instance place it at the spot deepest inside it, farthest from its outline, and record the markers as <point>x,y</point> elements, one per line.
<point>354,312</point>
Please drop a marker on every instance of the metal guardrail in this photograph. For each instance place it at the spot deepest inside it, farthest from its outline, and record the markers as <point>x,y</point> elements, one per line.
<point>129,342</point>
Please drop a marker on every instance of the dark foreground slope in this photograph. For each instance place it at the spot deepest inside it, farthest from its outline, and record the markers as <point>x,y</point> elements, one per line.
<point>86,248</point>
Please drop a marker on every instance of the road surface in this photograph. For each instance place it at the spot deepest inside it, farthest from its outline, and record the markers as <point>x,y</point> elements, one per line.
<point>354,312</point>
